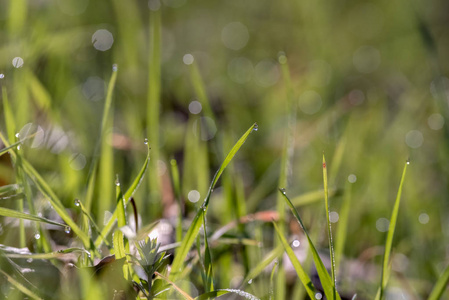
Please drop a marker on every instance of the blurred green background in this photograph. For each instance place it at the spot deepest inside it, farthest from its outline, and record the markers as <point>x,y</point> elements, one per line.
<point>368,88</point>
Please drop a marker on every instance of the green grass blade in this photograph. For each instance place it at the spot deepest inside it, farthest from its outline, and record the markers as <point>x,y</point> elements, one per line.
<point>20,286</point>
<point>6,149</point>
<point>154,101</point>
<point>106,113</point>
<point>390,234</point>
<point>118,244</point>
<point>107,229</point>
<point>200,90</point>
<point>194,228</point>
<point>440,285</point>
<point>121,216</point>
<point>221,292</point>
<point>9,116</point>
<point>268,259</point>
<point>207,260</point>
<point>5,212</point>
<point>183,293</point>
<point>329,227</point>
<point>271,291</point>
<point>50,255</point>
<point>303,277</point>
<point>326,280</point>
<point>177,191</point>
<point>8,188</point>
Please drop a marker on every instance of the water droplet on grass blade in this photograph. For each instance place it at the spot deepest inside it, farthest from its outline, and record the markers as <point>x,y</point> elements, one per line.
<point>2,76</point>
<point>114,67</point>
<point>256,127</point>
<point>67,229</point>
<point>250,281</point>
<point>318,296</point>
<point>283,191</point>
<point>77,202</point>
<point>37,236</point>
<point>408,161</point>
<point>145,141</point>
<point>17,135</point>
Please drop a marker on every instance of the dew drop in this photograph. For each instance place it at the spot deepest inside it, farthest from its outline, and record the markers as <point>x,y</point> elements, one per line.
<point>67,229</point>
<point>318,296</point>
<point>2,76</point>
<point>408,161</point>
<point>37,236</point>
<point>77,202</point>
<point>89,255</point>
<point>19,147</point>
<point>250,281</point>
<point>17,135</point>
<point>276,262</point>
<point>29,260</point>
<point>117,182</point>
<point>145,141</point>
<point>256,127</point>
<point>283,191</point>
<point>114,68</point>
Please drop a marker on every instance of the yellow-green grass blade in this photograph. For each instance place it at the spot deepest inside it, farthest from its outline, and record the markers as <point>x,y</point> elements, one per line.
<point>121,216</point>
<point>20,286</point>
<point>6,212</point>
<point>268,259</point>
<point>440,285</point>
<point>153,102</point>
<point>343,224</point>
<point>303,277</point>
<point>54,254</point>
<point>271,291</point>
<point>329,227</point>
<point>326,280</point>
<point>390,234</point>
<point>9,117</point>
<point>200,90</point>
<point>177,191</point>
<point>207,260</point>
<point>9,188</point>
<point>107,229</point>
<point>106,115</point>
<point>118,244</point>
<point>194,228</point>
<point>183,293</point>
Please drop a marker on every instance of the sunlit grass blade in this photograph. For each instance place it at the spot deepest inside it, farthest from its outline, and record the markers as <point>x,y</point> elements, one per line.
<point>6,149</point>
<point>209,284</point>
<point>121,217</point>
<point>329,227</point>
<point>118,244</point>
<point>6,212</point>
<point>106,116</point>
<point>9,116</point>
<point>194,228</point>
<point>440,286</point>
<point>8,188</point>
<point>303,277</point>
<point>177,191</point>
<point>326,280</point>
<point>183,293</point>
<point>221,292</point>
<point>20,286</point>
<point>390,234</point>
<point>108,227</point>
<point>90,218</point>
<point>200,90</point>
<point>268,259</point>
<point>54,254</point>
<point>271,291</point>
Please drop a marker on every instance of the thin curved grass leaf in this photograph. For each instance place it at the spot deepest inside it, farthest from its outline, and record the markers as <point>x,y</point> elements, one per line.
<point>183,293</point>
<point>119,245</point>
<point>268,259</point>
<point>390,234</point>
<point>50,255</point>
<point>20,286</point>
<point>303,277</point>
<point>108,227</point>
<point>8,188</point>
<point>440,285</point>
<point>207,260</point>
<point>271,291</point>
<point>5,212</point>
<point>9,116</point>
<point>326,280</point>
<point>194,228</point>
<point>6,149</point>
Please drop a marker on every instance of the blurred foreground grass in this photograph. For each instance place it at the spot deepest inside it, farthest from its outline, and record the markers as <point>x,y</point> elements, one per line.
<point>366,83</point>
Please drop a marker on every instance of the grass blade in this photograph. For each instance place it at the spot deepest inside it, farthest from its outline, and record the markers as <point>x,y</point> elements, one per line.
<point>390,234</point>
<point>119,245</point>
<point>326,280</point>
<point>20,287</point>
<point>194,228</point>
<point>329,227</point>
<point>177,191</point>
<point>440,285</point>
<point>221,292</point>
<point>6,149</point>
<point>5,212</point>
<point>184,294</point>
<point>207,260</point>
<point>121,217</point>
<point>128,194</point>
<point>343,224</point>
<point>303,277</point>
<point>257,270</point>
<point>9,116</point>
<point>50,255</point>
